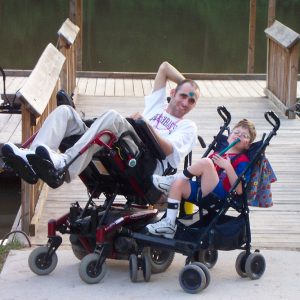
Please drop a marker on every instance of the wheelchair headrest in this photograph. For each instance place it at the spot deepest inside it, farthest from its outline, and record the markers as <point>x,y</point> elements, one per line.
<point>147,137</point>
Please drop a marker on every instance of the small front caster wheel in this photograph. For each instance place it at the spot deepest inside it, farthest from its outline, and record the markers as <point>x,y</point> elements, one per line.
<point>240,264</point>
<point>255,265</point>
<point>40,262</point>
<point>205,270</point>
<point>146,268</point>
<point>133,267</point>
<point>90,271</point>
<point>192,279</point>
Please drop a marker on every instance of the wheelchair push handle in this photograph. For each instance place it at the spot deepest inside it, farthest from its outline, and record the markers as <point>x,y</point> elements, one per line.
<point>224,114</point>
<point>273,119</point>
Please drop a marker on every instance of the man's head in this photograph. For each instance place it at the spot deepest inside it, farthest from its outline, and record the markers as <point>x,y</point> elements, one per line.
<point>183,98</point>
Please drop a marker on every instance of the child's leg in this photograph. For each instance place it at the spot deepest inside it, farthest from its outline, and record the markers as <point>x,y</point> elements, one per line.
<point>180,189</point>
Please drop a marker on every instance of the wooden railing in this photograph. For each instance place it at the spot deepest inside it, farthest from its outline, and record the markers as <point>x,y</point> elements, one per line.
<point>282,66</point>
<point>38,96</point>
<point>66,44</point>
<point>54,70</point>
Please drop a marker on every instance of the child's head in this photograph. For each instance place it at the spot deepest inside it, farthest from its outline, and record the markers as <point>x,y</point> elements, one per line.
<point>248,125</point>
<point>246,131</point>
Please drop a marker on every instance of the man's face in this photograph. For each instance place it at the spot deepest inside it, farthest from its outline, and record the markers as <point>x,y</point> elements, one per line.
<point>183,100</point>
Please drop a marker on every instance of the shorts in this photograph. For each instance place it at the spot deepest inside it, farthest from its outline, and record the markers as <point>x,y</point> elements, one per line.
<point>195,196</point>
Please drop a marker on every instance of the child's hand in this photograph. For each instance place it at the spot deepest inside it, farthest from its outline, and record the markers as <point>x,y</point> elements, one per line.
<point>221,162</point>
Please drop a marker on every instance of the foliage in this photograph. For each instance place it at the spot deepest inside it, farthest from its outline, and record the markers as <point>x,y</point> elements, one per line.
<point>4,250</point>
<point>136,35</point>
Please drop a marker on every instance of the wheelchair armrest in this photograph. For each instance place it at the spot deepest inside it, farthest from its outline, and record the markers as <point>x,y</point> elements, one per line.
<point>147,137</point>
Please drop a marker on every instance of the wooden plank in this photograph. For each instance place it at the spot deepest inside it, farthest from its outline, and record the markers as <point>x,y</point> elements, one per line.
<point>271,12</point>
<point>109,87</point>
<point>8,82</point>
<point>221,88</point>
<point>82,84</point>
<point>147,87</point>
<point>256,87</point>
<point>282,35</point>
<point>41,82</point>
<point>138,88</point>
<point>261,83</point>
<point>231,88</point>
<point>252,92</point>
<point>68,31</point>
<point>76,16</point>
<point>9,128</point>
<point>91,86</point>
<point>119,87</point>
<point>100,87</point>
<point>210,86</point>
<point>4,120</point>
<point>204,92</point>
<point>15,85</point>
<point>251,38</point>
<point>128,87</point>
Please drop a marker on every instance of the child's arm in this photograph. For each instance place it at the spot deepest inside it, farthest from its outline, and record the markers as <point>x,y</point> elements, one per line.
<point>231,174</point>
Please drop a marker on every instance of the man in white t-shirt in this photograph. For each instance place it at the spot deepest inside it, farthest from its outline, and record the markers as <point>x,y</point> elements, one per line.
<point>175,135</point>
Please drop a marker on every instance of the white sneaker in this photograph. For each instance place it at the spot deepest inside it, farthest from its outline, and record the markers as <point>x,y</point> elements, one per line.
<point>11,149</point>
<point>46,153</point>
<point>163,228</point>
<point>163,183</point>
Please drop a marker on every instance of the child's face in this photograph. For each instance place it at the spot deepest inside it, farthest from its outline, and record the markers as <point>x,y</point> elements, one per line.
<point>241,133</point>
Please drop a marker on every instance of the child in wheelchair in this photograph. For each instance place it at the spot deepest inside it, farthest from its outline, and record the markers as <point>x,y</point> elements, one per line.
<point>215,174</point>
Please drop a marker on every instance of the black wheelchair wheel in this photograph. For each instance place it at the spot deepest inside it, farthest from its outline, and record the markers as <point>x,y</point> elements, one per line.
<point>208,257</point>
<point>160,259</point>
<point>133,267</point>
<point>255,266</point>
<point>146,268</point>
<point>192,279</point>
<point>240,264</point>
<point>205,270</point>
<point>79,251</point>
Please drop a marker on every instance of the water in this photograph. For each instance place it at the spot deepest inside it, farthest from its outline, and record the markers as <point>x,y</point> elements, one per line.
<point>10,201</point>
<point>207,36</point>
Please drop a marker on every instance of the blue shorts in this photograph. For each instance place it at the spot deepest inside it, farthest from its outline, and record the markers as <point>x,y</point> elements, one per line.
<point>195,196</point>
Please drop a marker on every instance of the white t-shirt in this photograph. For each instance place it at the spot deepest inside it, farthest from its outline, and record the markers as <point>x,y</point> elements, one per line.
<point>182,133</point>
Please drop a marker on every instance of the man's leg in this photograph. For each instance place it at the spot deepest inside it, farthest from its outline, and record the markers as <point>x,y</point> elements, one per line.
<point>64,121</point>
<point>110,120</point>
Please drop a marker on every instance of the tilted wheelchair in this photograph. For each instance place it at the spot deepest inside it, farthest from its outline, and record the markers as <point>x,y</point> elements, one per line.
<point>113,171</point>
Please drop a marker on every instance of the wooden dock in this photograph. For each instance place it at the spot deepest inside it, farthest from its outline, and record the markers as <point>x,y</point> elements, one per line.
<point>277,227</point>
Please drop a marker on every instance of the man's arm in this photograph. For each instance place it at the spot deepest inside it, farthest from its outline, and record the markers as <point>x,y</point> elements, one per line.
<point>165,145</point>
<point>166,72</point>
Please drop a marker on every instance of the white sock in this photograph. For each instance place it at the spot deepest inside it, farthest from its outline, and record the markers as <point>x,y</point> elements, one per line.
<point>172,210</point>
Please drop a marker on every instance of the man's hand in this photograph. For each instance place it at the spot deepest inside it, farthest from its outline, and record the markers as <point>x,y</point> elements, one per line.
<point>165,145</point>
<point>136,116</point>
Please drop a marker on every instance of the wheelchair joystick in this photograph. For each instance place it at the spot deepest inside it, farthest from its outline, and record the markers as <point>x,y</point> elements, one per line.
<point>132,162</point>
